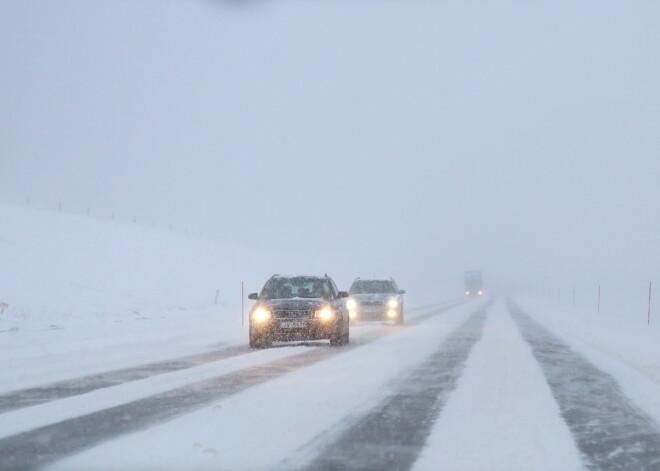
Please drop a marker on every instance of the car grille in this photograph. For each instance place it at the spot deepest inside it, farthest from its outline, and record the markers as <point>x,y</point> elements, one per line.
<point>290,314</point>
<point>373,316</point>
<point>373,303</point>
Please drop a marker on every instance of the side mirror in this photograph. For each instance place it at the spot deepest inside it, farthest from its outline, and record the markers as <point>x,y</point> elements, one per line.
<point>343,294</point>
<point>402,291</point>
<point>253,296</point>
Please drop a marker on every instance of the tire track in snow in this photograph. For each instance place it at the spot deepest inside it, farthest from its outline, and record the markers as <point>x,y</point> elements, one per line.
<point>72,387</point>
<point>391,436</point>
<point>44,445</point>
<point>610,431</point>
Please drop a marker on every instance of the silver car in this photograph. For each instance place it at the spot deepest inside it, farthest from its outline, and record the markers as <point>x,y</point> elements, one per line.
<point>375,300</point>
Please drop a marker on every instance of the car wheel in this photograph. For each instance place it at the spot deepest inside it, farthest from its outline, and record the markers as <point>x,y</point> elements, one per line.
<point>260,342</point>
<point>339,338</point>
<point>346,338</point>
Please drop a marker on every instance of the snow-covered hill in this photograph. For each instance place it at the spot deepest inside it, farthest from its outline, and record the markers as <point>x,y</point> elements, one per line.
<point>64,271</point>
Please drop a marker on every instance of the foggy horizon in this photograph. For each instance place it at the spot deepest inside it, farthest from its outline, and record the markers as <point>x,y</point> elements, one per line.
<point>411,139</point>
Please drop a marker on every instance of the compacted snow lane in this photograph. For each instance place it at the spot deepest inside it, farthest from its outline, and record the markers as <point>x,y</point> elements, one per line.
<point>42,393</point>
<point>72,387</point>
<point>611,432</point>
<point>465,386</point>
<point>502,415</point>
<point>36,447</point>
<point>18,399</point>
<point>273,420</point>
<point>390,436</point>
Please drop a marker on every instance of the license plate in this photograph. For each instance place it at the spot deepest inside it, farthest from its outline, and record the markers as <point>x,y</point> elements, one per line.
<point>293,325</point>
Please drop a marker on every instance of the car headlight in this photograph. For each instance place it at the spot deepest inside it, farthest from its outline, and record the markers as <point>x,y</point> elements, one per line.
<point>392,303</point>
<point>351,304</point>
<point>325,314</point>
<point>467,292</point>
<point>261,314</point>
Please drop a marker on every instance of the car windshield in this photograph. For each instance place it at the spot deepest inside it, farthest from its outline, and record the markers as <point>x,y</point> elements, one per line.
<point>373,287</point>
<point>297,287</point>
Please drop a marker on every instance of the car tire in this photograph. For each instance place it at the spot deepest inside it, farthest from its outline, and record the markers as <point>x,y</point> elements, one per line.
<point>260,342</point>
<point>346,338</point>
<point>339,339</point>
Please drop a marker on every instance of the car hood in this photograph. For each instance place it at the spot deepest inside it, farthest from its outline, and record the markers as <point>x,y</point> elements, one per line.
<point>373,297</point>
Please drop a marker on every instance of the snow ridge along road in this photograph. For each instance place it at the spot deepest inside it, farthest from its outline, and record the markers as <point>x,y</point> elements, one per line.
<point>390,436</point>
<point>40,446</point>
<point>610,431</point>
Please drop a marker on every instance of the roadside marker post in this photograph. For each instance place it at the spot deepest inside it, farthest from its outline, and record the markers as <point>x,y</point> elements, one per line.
<point>648,317</point>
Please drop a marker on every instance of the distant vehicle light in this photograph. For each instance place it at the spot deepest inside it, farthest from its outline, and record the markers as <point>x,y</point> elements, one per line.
<point>467,293</point>
<point>480,292</point>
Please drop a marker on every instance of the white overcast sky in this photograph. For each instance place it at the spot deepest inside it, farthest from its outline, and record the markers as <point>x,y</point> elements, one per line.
<point>415,138</point>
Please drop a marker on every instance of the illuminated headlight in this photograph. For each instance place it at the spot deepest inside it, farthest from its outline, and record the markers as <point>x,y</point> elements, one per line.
<point>467,293</point>
<point>325,314</point>
<point>392,303</point>
<point>352,314</point>
<point>480,293</point>
<point>391,313</point>
<point>351,304</point>
<point>261,314</point>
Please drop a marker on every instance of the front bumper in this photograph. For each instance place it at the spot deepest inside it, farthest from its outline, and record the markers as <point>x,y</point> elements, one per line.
<point>293,329</point>
<point>380,313</point>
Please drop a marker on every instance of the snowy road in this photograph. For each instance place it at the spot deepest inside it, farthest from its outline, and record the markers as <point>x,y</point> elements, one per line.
<point>464,386</point>
<point>610,431</point>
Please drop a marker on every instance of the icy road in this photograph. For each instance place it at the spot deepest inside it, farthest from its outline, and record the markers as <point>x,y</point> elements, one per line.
<point>466,385</point>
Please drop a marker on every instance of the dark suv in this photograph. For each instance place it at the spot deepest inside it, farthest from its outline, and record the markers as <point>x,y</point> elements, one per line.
<point>375,300</point>
<point>298,308</point>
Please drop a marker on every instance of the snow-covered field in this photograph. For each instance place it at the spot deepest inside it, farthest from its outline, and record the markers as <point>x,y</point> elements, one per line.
<point>176,386</point>
<point>92,295</point>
